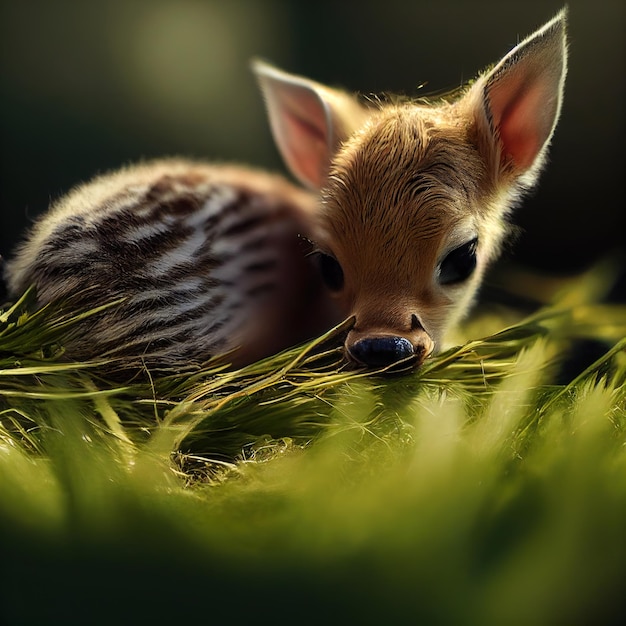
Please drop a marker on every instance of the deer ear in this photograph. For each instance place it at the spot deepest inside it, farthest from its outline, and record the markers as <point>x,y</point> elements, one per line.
<point>520,99</point>
<point>308,121</point>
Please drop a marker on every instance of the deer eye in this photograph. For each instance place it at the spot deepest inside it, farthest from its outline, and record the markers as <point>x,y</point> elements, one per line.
<point>331,271</point>
<point>459,264</point>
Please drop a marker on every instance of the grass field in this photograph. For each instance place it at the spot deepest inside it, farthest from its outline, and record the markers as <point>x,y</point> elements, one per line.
<point>487,488</point>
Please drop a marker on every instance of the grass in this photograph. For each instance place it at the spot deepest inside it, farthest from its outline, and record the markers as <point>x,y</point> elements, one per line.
<point>480,489</point>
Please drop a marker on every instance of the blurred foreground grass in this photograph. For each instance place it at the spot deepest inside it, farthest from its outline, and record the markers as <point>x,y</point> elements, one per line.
<point>476,490</point>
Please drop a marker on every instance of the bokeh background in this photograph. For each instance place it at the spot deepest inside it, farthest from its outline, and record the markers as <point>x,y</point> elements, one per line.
<point>86,86</point>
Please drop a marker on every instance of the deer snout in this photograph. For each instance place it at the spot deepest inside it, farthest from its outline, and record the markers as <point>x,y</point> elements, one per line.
<point>384,349</point>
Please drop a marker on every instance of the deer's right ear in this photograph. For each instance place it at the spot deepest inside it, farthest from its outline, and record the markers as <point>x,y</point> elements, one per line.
<point>308,121</point>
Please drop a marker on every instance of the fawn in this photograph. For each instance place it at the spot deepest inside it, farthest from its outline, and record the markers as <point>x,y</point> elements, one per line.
<point>406,205</point>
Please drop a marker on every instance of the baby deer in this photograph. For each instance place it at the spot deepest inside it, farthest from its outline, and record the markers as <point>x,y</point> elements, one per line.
<point>408,206</point>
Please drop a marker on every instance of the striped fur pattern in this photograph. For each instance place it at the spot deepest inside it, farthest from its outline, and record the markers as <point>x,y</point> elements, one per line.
<point>205,258</point>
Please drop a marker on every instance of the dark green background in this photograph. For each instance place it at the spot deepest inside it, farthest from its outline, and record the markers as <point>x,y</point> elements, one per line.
<point>86,86</point>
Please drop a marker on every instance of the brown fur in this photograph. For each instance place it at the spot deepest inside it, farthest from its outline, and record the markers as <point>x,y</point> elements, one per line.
<point>410,207</point>
<point>406,160</point>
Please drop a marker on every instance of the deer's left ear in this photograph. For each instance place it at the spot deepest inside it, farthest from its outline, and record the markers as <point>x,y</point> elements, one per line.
<point>308,121</point>
<point>517,103</point>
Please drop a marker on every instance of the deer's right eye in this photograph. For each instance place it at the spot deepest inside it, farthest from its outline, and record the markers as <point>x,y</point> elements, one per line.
<point>331,271</point>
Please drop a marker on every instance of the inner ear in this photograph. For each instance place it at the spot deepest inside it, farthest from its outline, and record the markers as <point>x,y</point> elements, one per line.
<point>519,100</point>
<point>308,120</point>
<point>524,110</point>
<point>302,134</point>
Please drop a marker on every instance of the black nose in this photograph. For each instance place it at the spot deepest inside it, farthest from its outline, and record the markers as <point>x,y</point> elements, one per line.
<point>381,351</point>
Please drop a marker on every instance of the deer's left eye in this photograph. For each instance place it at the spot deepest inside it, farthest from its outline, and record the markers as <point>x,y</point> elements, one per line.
<point>459,264</point>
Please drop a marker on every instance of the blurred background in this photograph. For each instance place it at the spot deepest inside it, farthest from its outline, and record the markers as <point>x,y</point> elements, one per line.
<point>88,86</point>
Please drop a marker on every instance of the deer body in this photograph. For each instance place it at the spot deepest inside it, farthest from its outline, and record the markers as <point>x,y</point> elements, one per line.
<point>410,207</point>
<point>205,259</point>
